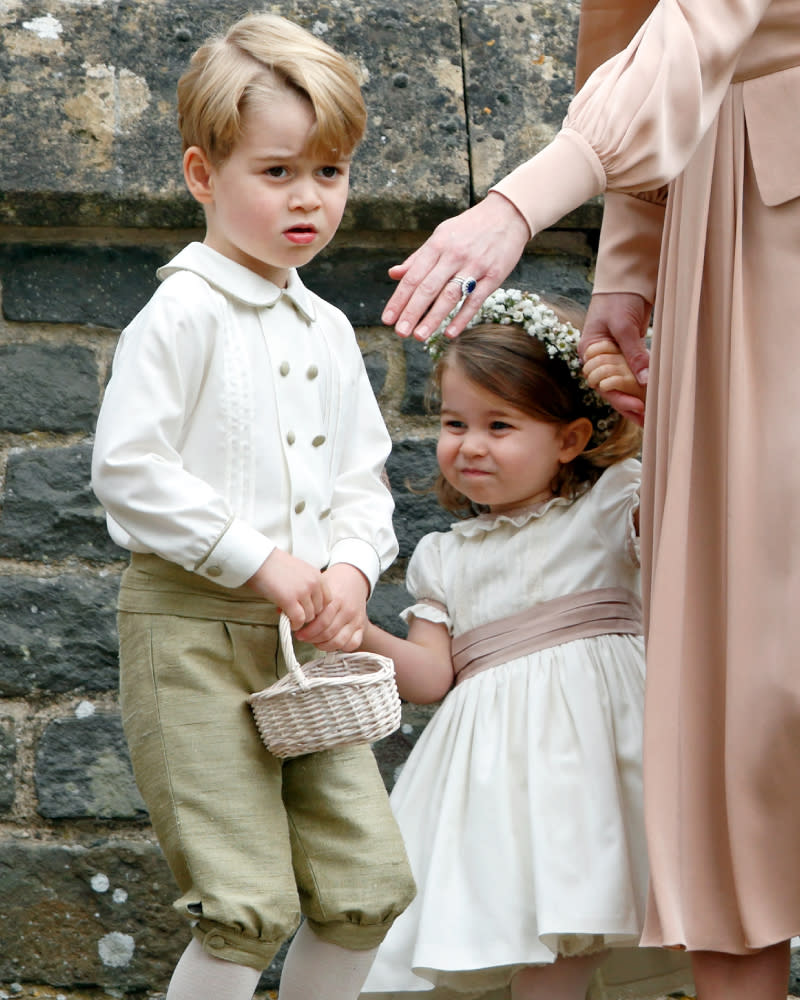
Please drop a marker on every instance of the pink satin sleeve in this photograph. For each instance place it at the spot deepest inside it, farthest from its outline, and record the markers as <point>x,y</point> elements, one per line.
<point>638,118</point>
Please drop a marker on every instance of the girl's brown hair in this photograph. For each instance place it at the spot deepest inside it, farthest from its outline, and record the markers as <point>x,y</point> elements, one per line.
<point>508,362</point>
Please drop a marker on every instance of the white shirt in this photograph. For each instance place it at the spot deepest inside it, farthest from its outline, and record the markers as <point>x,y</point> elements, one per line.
<point>239,417</point>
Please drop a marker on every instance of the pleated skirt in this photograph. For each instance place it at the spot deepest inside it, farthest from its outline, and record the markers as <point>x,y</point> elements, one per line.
<point>721,547</point>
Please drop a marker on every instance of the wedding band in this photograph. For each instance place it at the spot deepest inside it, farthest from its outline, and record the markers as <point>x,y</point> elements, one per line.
<point>468,285</point>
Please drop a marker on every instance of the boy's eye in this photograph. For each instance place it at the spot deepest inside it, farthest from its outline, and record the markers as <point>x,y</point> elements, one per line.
<point>329,172</point>
<point>500,425</point>
<point>275,172</point>
<point>453,424</point>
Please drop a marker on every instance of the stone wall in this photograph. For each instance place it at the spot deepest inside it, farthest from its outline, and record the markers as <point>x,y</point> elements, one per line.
<point>91,202</point>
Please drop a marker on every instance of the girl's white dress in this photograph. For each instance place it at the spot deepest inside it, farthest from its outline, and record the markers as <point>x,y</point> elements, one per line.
<point>521,803</point>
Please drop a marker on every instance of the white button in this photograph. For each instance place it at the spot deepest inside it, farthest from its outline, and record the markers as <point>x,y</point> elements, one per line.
<point>284,368</point>
<point>214,571</point>
<point>312,372</point>
<point>318,440</point>
<point>299,507</point>
<point>290,437</point>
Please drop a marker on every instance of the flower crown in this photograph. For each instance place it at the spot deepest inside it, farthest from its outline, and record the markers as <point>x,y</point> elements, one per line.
<point>527,310</point>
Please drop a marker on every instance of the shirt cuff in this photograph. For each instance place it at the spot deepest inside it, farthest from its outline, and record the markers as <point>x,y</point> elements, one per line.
<point>559,179</point>
<point>630,246</point>
<point>360,554</point>
<point>238,553</point>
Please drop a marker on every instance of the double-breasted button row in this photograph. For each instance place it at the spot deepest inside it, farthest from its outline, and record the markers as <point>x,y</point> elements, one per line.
<point>317,441</point>
<point>311,372</point>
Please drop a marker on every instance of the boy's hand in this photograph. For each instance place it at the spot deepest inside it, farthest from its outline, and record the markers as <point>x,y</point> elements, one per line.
<point>607,371</point>
<point>342,622</point>
<point>297,587</point>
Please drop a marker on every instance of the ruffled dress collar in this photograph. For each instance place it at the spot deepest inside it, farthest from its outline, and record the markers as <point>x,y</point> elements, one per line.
<point>517,518</point>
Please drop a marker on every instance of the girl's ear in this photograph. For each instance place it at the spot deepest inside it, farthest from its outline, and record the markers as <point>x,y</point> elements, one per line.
<point>574,438</point>
<point>197,173</point>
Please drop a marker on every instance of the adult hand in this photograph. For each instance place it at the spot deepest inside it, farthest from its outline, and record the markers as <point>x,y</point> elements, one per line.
<point>607,371</point>
<point>621,317</point>
<point>483,243</point>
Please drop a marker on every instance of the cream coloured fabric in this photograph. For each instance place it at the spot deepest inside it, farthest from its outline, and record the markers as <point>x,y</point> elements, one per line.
<point>238,417</point>
<point>521,804</point>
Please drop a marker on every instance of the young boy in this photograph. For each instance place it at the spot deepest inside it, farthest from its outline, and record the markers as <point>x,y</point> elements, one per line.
<point>238,454</point>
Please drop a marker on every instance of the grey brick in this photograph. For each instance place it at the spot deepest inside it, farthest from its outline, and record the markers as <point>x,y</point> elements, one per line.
<point>83,770</point>
<point>49,510</point>
<point>47,388</point>
<point>59,634</point>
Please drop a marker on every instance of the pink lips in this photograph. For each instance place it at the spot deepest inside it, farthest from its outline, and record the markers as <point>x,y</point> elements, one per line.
<point>301,235</point>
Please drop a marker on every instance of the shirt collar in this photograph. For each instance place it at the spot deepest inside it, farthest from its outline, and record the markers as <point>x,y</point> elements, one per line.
<point>237,281</point>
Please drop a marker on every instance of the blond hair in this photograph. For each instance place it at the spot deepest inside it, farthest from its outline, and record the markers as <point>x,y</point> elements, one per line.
<point>257,58</point>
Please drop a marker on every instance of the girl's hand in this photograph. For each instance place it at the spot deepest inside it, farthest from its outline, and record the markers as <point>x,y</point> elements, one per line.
<point>607,371</point>
<point>483,243</point>
<point>342,622</point>
<point>294,585</point>
<point>621,317</point>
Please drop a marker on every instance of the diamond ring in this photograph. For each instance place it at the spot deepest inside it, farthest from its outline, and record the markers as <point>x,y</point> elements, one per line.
<point>468,285</point>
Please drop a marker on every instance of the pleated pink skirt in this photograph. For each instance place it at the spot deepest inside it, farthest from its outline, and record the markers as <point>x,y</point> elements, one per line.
<point>721,526</point>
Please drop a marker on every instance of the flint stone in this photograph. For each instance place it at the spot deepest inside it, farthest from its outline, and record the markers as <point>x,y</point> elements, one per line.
<point>83,770</point>
<point>412,466</point>
<point>88,916</point>
<point>49,510</point>
<point>91,285</point>
<point>59,634</point>
<point>47,388</point>
<point>8,759</point>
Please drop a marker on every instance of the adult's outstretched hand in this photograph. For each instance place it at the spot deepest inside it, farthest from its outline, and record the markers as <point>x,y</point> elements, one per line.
<point>484,243</point>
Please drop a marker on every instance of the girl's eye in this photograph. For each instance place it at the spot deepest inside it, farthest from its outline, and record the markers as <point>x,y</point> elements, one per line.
<point>329,172</point>
<point>277,172</point>
<point>455,425</point>
<point>500,425</point>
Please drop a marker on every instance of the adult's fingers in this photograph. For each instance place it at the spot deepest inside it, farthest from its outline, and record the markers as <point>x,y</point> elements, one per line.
<point>629,406</point>
<point>621,317</point>
<point>483,244</point>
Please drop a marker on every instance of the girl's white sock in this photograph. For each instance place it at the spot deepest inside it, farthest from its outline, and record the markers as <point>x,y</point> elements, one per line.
<point>200,976</point>
<point>318,970</point>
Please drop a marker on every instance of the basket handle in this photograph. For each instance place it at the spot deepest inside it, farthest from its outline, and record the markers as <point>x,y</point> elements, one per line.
<point>285,632</point>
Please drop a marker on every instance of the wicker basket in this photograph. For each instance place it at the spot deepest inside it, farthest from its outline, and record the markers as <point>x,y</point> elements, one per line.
<point>340,698</point>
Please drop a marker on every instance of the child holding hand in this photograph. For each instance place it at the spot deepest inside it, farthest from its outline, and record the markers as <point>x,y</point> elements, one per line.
<point>521,803</point>
<point>239,454</point>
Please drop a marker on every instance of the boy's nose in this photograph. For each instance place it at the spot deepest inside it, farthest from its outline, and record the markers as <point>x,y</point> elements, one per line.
<point>304,194</point>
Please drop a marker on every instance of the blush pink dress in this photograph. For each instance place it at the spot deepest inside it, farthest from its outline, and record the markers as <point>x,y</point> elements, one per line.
<point>704,104</point>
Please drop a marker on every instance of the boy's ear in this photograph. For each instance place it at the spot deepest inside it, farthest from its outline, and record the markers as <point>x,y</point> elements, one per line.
<point>197,173</point>
<point>574,438</point>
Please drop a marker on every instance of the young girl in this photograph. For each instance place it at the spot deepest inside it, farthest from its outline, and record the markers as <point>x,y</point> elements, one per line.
<point>521,804</point>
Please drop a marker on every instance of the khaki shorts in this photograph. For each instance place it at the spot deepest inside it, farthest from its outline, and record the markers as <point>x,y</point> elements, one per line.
<point>252,842</point>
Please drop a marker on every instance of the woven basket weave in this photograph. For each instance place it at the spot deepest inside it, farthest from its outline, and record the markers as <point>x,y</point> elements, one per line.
<point>337,699</point>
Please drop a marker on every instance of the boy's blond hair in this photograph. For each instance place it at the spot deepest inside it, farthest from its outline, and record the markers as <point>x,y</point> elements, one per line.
<point>258,57</point>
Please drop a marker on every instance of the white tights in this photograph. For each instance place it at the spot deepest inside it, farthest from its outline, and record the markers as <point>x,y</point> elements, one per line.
<point>314,970</point>
<point>565,979</point>
<point>200,976</point>
<point>318,970</point>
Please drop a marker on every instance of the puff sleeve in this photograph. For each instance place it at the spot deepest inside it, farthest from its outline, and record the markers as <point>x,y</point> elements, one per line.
<point>425,582</point>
